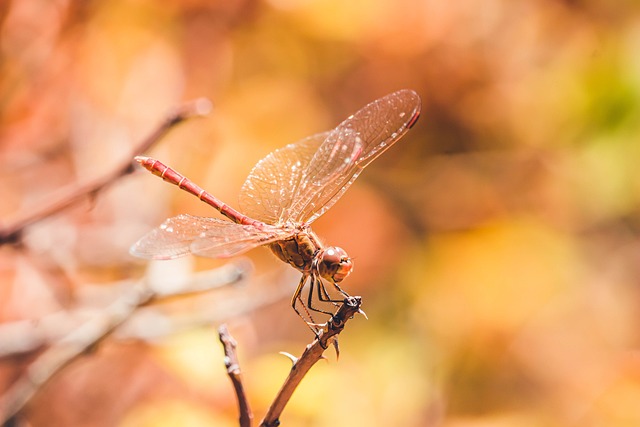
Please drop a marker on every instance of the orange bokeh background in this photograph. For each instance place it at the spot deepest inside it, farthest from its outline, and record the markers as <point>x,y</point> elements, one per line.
<point>496,246</point>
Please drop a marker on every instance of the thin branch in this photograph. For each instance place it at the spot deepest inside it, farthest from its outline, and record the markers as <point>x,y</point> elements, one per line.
<point>28,335</point>
<point>233,370</point>
<point>11,232</point>
<point>144,325</point>
<point>84,337</point>
<point>67,349</point>
<point>311,355</point>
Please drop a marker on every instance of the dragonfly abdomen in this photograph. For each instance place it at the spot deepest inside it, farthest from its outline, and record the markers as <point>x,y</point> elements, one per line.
<point>173,177</point>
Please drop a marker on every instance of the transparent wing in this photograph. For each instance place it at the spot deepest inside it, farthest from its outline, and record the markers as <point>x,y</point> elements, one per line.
<point>273,184</point>
<point>209,237</point>
<point>348,149</point>
<point>301,181</point>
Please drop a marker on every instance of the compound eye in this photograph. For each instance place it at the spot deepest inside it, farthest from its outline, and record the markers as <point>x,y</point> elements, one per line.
<point>333,256</point>
<point>335,264</point>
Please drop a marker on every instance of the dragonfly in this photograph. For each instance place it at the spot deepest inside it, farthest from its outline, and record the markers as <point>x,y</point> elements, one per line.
<point>283,195</point>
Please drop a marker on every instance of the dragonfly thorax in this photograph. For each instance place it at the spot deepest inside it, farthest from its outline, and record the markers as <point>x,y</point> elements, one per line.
<point>299,250</point>
<point>304,252</point>
<point>334,264</point>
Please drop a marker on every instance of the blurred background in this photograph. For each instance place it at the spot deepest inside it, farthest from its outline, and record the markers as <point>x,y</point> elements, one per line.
<point>496,247</point>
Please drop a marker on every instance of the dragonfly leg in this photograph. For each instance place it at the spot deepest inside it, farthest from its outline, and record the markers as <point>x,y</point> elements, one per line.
<point>323,295</point>
<point>315,282</point>
<point>296,297</point>
<point>346,295</point>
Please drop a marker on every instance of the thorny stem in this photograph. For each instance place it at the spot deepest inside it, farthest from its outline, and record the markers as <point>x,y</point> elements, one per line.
<point>301,366</point>
<point>311,355</point>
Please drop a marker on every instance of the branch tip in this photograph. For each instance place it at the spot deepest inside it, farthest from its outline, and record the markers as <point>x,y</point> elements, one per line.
<point>202,106</point>
<point>235,375</point>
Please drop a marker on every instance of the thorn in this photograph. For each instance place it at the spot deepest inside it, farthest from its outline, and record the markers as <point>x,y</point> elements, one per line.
<point>335,345</point>
<point>363,313</point>
<point>318,325</point>
<point>290,356</point>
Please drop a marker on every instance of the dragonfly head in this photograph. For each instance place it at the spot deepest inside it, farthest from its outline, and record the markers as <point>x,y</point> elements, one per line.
<point>334,264</point>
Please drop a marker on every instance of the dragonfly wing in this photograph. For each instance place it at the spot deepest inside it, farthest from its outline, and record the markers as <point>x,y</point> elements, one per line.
<point>210,237</point>
<point>233,239</point>
<point>348,149</point>
<point>272,185</point>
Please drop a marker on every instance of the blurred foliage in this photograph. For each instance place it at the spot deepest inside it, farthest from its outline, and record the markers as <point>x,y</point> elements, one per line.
<point>497,247</point>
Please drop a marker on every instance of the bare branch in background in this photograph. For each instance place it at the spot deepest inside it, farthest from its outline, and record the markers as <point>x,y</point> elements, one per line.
<point>11,233</point>
<point>147,322</point>
<point>97,328</point>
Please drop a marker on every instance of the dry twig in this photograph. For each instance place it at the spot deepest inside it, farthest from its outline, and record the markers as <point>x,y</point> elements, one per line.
<point>29,335</point>
<point>300,367</point>
<point>11,233</point>
<point>89,334</point>
<point>311,355</point>
<point>233,370</point>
